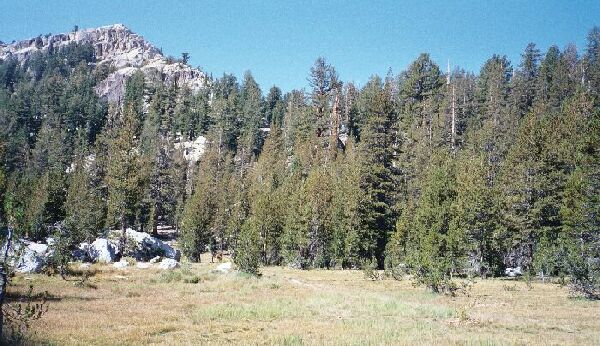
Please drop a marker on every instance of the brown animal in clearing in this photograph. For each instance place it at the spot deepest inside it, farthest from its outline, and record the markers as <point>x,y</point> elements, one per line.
<point>218,255</point>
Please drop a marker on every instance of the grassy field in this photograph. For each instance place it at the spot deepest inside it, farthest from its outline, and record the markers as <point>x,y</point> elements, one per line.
<point>191,305</point>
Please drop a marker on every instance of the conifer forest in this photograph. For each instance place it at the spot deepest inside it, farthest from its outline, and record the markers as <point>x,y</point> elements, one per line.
<point>433,175</point>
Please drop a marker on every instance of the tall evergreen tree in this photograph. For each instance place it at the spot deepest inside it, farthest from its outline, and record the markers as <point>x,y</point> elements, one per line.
<point>377,175</point>
<point>251,120</point>
<point>525,80</point>
<point>418,107</point>
<point>475,214</point>
<point>122,176</point>
<point>592,62</point>
<point>206,214</point>
<point>267,208</point>
<point>85,209</point>
<point>436,247</point>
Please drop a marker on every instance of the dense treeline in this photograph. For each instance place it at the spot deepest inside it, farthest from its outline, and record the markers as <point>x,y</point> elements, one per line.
<point>436,174</point>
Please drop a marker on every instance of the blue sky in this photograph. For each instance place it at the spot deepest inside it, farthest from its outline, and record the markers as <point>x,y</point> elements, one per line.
<point>279,40</point>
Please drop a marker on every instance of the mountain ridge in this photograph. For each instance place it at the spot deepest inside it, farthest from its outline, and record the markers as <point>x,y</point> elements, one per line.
<point>124,50</point>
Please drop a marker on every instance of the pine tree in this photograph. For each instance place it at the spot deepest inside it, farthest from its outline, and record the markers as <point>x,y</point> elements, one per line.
<point>48,162</point>
<point>492,131</point>
<point>207,211</point>
<point>436,247</point>
<point>522,182</point>
<point>247,255</point>
<point>122,176</point>
<point>297,124</point>
<point>266,198</point>
<point>85,209</point>
<point>377,175</point>
<point>592,62</point>
<point>557,77</point>
<point>294,240</point>
<point>157,150</point>
<point>3,184</point>
<point>347,197</point>
<point>525,80</point>
<point>198,213</point>
<point>225,112</point>
<point>274,107</point>
<point>418,107</point>
<point>579,240</point>
<point>250,141</point>
<point>237,206</point>
<point>83,110</point>
<point>319,195</point>
<point>34,213</point>
<point>185,117</point>
<point>325,84</point>
<point>475,214</point>
<point>179,173</point>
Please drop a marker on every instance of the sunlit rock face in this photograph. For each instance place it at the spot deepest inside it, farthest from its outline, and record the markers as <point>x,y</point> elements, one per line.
<point>192,150</point>
<point>125,51</point>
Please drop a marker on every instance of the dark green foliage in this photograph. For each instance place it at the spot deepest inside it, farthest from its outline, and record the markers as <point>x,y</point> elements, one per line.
<point>432,174</point>
<point>85,210</point>
<point>377,176</point>
<point>525,80</point>
<point>250,140</point>
<point>123,172</point>
<point>274,107</point>
<point>435,249</point>
<point>592,62</point>
<point>476,215</point>
<point>369,268</point>
<point>247,255</point>
<point>418,123</point>
<point>267,208</point>
<point>185,57</point>
<point>158,200</point>
<point>192,114</point>
<point>207,211</point>
<point>577,249</point>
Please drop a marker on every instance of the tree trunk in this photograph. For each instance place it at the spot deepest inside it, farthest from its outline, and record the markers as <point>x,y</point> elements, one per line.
<point>453,120</point>
<point>123,237</point>
<point>4,279</point>
<point>335,128</point>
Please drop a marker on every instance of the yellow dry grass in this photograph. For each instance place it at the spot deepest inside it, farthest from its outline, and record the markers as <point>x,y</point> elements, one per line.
<point>191,305</point>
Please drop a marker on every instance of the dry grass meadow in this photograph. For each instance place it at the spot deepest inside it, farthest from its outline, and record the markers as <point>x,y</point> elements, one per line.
<point>191,305</point>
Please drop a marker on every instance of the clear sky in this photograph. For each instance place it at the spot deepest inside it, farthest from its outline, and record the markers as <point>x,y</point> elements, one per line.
<point>279,40</point>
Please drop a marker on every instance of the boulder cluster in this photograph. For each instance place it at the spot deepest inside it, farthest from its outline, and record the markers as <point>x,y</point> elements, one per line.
<point>31,257</point>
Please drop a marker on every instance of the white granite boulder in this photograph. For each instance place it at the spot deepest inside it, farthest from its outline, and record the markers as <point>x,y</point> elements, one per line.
<point>30,261</point>
<point>121,264</point>
<point>513,272</point>
<point>155,259</point>
<point>32,257</point>
<point>102,250</point>
<point>142,246</point>
<point>224,268</point>
<point>168,263</point>
<point>82,253</point>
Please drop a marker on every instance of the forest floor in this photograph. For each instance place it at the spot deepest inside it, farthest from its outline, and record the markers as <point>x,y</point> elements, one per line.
<point>192,305</point>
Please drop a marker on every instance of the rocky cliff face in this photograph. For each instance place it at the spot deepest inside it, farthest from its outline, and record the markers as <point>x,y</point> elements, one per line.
<point>126,51</point>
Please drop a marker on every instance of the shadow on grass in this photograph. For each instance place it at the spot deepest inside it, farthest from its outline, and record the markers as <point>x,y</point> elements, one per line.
<point>15,297</point>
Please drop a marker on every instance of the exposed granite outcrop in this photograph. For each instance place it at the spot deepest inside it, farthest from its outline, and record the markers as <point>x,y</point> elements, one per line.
<point>126,51</point>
